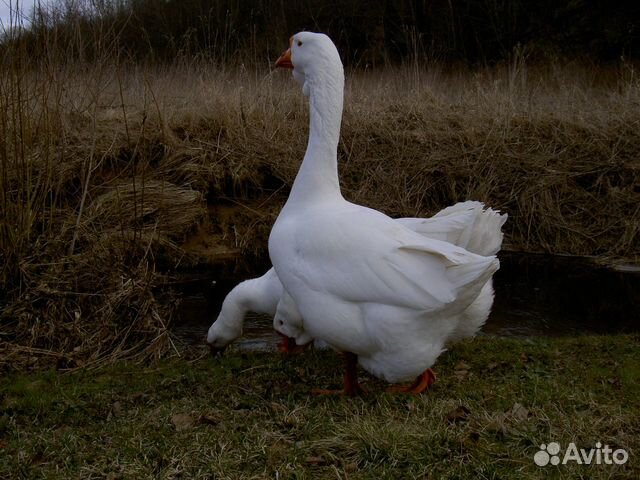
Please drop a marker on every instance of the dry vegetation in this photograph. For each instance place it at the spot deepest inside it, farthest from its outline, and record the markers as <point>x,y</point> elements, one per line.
<point>107,169</point>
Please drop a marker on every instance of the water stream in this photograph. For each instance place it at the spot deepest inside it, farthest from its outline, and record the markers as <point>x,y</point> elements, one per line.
<point>536,295</point>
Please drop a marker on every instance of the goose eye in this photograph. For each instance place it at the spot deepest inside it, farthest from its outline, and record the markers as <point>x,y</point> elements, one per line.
<point>299,43</point>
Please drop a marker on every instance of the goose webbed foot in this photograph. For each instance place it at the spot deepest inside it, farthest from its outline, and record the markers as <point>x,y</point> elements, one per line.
<point>421,384</point>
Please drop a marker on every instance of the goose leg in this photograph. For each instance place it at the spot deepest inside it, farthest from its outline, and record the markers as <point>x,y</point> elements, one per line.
<point>421,384</point>
<point>351,385</point>
<point>288,345</point>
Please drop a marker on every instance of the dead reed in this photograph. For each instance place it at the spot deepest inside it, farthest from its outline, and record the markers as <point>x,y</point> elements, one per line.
<point>107,169</point>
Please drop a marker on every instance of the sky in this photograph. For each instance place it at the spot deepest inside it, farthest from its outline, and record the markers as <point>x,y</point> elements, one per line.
<point>25,8</point>
<point>4,10</point>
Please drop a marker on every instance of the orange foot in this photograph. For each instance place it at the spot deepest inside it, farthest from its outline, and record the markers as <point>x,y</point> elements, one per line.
<point>421,384</point>
<point>288,345</point>
<point>351,385</point>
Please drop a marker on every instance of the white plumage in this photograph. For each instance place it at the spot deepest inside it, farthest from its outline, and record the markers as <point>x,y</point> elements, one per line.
<point>390,294</point>
<point>455,224</point>
<point>361,282</point>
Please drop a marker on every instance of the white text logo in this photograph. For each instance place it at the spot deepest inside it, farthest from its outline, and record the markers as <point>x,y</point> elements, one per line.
<point>550,454</point>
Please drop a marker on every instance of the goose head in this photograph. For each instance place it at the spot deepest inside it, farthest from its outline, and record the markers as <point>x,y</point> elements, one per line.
<point>311,56</point>
<point>222,333</point>
<point>289,325</point>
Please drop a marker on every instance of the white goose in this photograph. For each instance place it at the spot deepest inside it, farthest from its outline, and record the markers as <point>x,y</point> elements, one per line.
<point>259,295</point>
<point>466,224</point>
<point>381,293</point>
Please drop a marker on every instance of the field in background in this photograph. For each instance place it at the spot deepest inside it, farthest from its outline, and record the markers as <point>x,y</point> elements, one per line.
<point>116,176</point>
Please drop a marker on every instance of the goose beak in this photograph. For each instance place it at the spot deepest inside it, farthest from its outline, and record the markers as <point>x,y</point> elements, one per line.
<point>284,61</point>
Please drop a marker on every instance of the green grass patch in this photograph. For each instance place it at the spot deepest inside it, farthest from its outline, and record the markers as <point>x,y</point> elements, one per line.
<point>251,415</point>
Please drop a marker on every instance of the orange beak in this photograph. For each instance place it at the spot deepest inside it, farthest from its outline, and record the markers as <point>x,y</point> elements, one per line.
<point>284,61</point>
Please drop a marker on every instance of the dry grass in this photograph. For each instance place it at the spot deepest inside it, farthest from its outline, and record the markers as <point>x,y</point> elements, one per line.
<point>107,169</point>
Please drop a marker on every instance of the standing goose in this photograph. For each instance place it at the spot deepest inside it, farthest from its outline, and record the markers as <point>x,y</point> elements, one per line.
<point>381,293</point>
<point>465,224</point>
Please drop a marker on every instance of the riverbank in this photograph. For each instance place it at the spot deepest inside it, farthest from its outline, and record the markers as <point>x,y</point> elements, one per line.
<point>117,178</point>
<point>251,415</point>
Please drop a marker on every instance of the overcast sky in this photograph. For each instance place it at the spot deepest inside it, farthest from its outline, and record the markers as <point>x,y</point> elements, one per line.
<point>4,10</point>
<point>25,7</point>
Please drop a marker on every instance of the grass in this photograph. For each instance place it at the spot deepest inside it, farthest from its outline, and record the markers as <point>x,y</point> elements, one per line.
<point>250,415</point>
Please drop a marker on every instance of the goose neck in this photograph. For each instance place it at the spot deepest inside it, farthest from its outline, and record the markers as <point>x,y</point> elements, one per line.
<point>318,175</point>
<point>236,305</point>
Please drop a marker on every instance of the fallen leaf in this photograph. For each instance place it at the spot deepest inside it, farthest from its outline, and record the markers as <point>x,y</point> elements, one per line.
<point>350,467</point>
<point>411,406</point>
<point>278,407</point>
<point>313,460</point>
<point>497,424</point>
<point>460,374</point>
<point>117,407</point>
<point>615,383</point>
<point>459,414</point>
<point>139,397</point>
<point>526,358</point>
<point>462,366</point>
<point>205,420</point>
<point>519,412</point>
<point>492,366</point>
<point>60,431</point>
<point>182,421</point>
